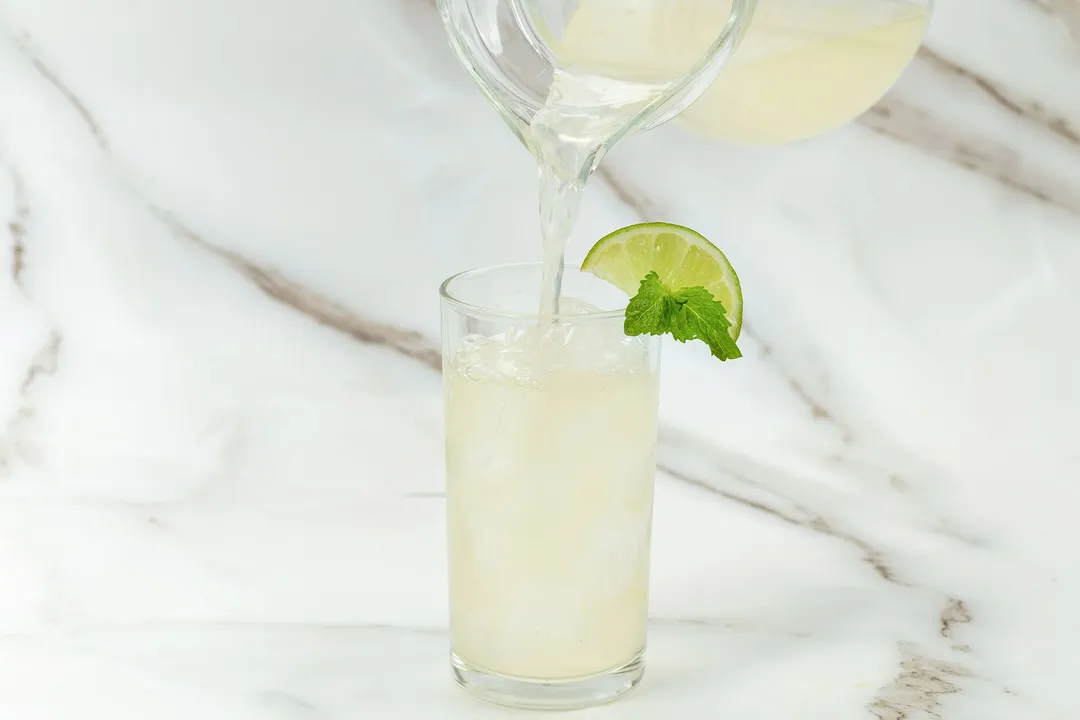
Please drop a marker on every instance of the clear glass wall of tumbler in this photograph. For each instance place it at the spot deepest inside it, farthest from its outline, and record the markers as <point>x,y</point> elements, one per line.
<point>550,444</point>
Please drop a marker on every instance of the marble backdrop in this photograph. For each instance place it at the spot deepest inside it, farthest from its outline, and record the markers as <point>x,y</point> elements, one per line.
<point>223,224</point>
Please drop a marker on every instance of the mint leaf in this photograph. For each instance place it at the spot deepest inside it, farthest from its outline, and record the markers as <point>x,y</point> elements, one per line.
<point>701,317</point>
<point>687,314</point>
<point>650,311</point>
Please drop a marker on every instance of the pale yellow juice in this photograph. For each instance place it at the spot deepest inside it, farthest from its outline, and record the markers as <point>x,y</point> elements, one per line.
<point>549,494</point>
<point>551,426</point>
<point>804,66</point>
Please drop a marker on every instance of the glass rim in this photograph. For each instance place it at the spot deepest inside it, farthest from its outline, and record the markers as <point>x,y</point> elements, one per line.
<point>474,309</point>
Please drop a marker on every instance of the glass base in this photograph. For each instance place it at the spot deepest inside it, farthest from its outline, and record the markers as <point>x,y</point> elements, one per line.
<point>548,694</point>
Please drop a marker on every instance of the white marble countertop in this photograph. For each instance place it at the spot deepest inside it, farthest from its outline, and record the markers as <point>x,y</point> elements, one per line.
<point>220,432</point>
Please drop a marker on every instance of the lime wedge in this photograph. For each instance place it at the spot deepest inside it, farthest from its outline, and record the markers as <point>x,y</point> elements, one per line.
<point>680,256</point>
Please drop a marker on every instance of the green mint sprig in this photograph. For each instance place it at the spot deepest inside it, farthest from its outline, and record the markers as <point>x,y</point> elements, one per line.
<point>687,314</point>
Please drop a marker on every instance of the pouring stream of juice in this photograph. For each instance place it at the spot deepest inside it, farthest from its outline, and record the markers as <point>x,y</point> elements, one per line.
<point>568,137</point>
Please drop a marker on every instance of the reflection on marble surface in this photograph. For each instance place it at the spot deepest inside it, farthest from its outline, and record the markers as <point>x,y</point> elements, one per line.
<point>220,422</point>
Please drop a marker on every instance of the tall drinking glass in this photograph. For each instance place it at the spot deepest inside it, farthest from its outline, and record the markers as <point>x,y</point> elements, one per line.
<point>550,443</point>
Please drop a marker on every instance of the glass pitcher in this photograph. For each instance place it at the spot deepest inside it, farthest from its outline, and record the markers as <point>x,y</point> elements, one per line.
<point>803,68</point>
<point>530,54</point>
